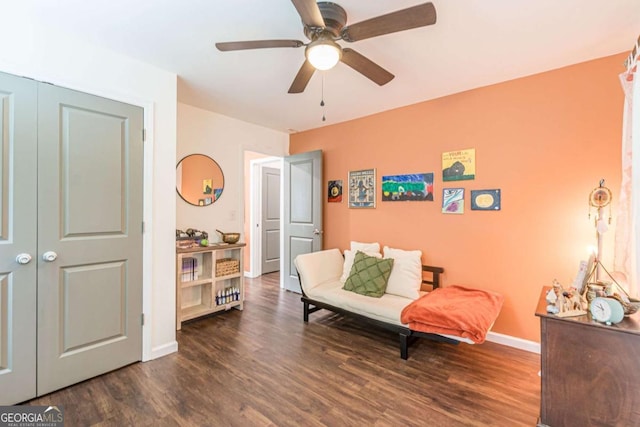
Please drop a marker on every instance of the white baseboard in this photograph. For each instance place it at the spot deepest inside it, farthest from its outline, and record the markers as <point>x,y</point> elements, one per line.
<point>250,275</point>
<point>163,350</point>
<point>514,342</point>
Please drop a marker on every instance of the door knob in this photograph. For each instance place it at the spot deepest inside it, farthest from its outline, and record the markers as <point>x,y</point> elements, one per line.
<point>49,256</point>
<point>23,258</point>
<point>317,232</point>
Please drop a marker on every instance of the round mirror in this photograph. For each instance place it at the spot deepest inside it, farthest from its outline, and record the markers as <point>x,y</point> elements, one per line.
<point>199,180</point>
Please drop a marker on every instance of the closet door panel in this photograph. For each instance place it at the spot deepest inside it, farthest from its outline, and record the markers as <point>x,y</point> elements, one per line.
<point>90,215</point>
<point>93,173</point>
<point>18,198</point>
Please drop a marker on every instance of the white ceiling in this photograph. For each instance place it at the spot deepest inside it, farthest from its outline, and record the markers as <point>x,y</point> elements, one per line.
<point>474,43</point>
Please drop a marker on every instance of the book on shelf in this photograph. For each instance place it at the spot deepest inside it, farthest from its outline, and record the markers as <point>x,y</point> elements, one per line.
<point>189,269</point>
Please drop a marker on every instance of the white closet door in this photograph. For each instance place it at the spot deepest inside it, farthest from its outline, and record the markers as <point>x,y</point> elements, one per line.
<point>89,236</point>
<point>18,198</point>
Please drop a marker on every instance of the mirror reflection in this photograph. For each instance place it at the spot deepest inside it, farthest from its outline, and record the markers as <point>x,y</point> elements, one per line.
<point>199,180</point>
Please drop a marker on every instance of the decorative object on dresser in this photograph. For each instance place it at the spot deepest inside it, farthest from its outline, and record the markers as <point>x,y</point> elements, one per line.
<point>607,310</point>
<point>208,280</point>
<point>565,303</point>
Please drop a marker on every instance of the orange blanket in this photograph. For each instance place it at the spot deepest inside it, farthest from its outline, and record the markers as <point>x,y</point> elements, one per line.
<point>454,310</point>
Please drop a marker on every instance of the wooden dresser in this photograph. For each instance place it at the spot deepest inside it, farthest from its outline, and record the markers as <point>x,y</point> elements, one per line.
<point>590,371</point>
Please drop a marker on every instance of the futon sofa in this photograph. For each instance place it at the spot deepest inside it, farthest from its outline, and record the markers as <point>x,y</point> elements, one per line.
<point>322,278</point>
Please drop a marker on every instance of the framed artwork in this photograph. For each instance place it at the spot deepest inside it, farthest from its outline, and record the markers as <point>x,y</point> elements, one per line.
<point>206,186</point>
<point>485,200</point>
<point>335,191</point>
<point>362,188</point>
<point>459,165</point>
<point>416,187</point>
<point>453,200</point>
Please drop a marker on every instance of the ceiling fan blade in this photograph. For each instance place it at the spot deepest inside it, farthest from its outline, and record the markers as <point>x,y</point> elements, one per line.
<point>412,17</point>
<point>309,12</point>
<point>366,67</point>
<point>257,44</point>
<point>302,78</point>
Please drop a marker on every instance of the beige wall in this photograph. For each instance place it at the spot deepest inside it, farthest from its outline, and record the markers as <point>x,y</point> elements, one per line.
<point>225,140</point>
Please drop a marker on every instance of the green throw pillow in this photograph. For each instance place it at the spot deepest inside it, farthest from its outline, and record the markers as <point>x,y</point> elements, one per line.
<point>369,275</point>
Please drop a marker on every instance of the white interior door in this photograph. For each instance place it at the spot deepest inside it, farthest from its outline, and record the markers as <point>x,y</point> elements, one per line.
<point>89,236</point>
<point>302,225</point>
<point>18,198</point>
<point>270,219</point>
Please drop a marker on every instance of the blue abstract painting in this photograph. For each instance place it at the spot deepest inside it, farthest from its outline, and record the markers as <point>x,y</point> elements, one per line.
<point>415,187</point>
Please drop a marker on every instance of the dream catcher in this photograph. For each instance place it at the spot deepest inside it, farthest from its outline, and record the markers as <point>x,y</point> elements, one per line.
<point>599,198</point>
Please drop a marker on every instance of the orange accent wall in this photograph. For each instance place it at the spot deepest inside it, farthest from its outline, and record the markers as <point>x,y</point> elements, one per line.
<point>545,140</point>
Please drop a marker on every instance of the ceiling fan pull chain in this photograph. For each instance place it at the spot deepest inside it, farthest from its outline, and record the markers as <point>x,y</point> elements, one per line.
<point>322,99</point>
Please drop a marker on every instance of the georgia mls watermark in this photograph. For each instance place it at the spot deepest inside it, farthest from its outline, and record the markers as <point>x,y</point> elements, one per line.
<point>31,416</point>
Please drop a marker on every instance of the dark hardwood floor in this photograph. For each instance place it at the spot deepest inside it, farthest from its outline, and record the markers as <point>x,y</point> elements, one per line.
<point>265,367</point>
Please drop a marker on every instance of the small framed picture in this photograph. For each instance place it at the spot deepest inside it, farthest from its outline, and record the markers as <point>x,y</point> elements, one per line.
<point>206,186</point>
<point>485,200</point>
<point>459,165</point>
<point>335,191</point>
<point>362,188</point>
<point>453,200</point>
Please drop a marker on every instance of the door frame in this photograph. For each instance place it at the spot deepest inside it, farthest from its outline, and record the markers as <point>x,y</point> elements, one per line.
<point>255,214</point>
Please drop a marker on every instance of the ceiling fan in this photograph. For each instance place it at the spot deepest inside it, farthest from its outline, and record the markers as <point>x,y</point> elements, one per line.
<point>324,24</point>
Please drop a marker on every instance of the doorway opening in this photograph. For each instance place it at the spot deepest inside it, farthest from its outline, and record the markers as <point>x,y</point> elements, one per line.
<point>262,219</point>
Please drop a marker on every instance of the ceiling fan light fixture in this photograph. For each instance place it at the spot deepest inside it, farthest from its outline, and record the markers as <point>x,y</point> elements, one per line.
<point>323,53</point>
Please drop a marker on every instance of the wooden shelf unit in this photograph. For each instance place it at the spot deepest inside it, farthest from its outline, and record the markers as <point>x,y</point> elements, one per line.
<point>207,284</point>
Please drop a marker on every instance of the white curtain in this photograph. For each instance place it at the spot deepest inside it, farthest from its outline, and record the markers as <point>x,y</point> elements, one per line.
<point>627,238</point>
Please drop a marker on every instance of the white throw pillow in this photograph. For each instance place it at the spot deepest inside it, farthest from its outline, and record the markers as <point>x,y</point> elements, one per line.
<point>367,248</point>
<point>349,257</point>
<point>406,275</point>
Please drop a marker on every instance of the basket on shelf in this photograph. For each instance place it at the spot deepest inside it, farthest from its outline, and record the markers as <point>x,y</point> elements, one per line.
<point>226,266</point>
